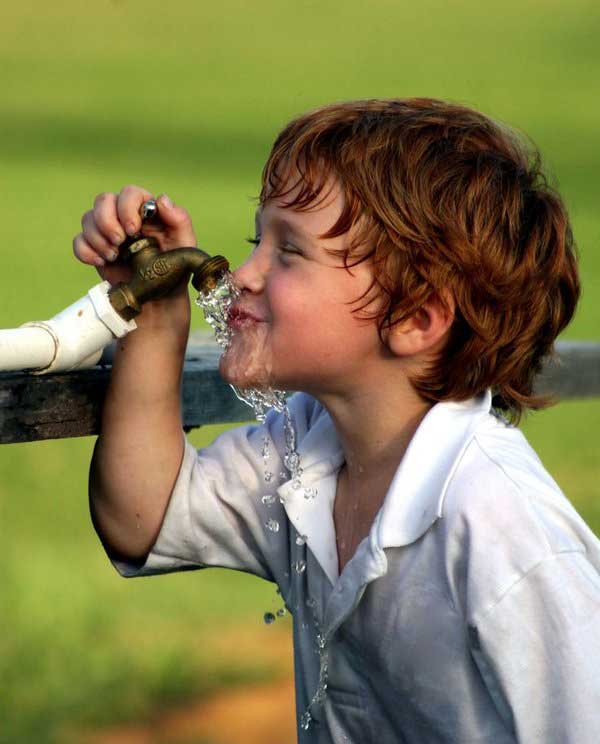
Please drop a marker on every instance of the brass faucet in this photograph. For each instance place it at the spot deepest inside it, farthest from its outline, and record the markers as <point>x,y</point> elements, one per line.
<point>156,272</point>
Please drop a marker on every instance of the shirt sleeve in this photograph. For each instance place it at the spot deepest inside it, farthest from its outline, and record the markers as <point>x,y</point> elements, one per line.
<point>224,509</point>
<point>538,650</point>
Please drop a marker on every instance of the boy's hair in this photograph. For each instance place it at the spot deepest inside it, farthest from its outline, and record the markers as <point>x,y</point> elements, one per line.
<point>443,198</point>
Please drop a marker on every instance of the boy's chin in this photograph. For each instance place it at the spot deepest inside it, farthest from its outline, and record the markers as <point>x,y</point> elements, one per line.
<point>247,362</point>
<point>242,375</point>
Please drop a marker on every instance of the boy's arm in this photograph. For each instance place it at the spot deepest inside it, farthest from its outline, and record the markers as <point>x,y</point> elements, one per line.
<point>140,448</point>
<point>538,651</point>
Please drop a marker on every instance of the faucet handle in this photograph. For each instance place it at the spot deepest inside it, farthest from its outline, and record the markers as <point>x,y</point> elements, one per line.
<point>134,243</point>
<point>149,212</point>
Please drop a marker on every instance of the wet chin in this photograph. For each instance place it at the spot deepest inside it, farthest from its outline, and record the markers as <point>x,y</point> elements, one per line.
<point>247,362</point>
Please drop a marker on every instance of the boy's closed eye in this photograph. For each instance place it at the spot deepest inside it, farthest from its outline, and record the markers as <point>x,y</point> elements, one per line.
<point>287,249</point>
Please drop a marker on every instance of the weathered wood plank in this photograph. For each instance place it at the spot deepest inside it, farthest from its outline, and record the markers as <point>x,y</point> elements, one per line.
<point>68,405</point>
<point>575,373</point>
<point>36,407</point>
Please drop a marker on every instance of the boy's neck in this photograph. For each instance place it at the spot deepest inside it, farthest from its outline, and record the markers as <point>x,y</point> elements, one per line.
<point>375,427</point>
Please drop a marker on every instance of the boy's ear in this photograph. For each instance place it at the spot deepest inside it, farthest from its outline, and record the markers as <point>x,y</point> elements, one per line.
<point>425,331</point>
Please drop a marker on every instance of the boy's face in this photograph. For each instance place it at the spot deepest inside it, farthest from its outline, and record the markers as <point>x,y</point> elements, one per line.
<point>303,336</point>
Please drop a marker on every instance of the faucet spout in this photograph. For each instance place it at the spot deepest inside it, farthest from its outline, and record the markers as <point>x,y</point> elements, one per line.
<point>156,273</point>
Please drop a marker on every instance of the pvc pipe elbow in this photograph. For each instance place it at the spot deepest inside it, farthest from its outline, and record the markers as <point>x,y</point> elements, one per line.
<point>81,331</point>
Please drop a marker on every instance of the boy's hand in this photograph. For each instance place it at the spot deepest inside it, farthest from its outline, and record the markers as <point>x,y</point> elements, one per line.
<point>114,217</point>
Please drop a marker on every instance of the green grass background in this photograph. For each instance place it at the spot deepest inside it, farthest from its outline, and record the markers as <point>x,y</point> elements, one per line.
<point>186,97</point>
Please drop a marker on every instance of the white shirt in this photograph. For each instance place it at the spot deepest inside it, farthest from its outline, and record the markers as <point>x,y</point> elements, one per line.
<point>471,613</point>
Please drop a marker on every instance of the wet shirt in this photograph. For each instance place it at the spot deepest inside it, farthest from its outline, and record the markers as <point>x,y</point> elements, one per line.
<point>471,612</point>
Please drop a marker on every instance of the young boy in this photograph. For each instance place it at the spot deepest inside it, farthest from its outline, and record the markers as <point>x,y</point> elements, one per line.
<point>411,266</point>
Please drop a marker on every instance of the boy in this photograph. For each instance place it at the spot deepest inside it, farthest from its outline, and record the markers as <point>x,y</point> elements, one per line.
<point>443,588</point>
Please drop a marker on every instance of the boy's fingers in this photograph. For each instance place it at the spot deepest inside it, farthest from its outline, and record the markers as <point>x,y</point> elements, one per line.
<point>129,201</point>
<point>177,220</point>
<point>106,219</point>
<point>85,253</point>
<point>96,240</point>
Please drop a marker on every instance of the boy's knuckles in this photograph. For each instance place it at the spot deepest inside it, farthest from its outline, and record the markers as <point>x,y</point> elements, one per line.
<point>107,225</point>
<point>87,218</point>
<point>131,191</point>
<point>99,244</point>
<point>103,198</point>
<point>77,247</point>
<point>184,217</point>
<point>82,250</point>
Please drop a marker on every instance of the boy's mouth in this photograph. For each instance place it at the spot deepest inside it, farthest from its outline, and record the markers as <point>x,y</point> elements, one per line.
<point>239,317</point>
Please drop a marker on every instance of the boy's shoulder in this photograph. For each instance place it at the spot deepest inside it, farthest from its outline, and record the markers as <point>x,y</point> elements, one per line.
<point>501,481</point>
<point>501,488</point>
<point>503,514</point>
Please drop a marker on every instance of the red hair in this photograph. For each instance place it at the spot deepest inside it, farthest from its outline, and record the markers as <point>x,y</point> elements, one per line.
<point>442,198</point>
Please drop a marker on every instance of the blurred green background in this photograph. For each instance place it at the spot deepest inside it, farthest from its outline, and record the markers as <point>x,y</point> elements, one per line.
<point>186,97</point>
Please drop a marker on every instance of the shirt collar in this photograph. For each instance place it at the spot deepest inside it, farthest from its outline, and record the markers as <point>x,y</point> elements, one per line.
<point>416,494</point>
<point>414,500</point>
<point>321,456</point>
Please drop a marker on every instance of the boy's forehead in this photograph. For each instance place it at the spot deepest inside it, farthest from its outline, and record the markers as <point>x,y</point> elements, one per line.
<point>310,222</point>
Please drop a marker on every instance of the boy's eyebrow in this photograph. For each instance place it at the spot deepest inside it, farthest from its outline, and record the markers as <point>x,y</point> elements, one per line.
<point>282,221</point>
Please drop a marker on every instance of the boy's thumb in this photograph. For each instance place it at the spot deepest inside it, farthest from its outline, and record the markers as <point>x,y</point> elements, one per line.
<point>175,217</point>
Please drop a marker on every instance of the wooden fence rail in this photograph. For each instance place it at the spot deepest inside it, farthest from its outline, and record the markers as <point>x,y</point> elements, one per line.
<point>36,407</point>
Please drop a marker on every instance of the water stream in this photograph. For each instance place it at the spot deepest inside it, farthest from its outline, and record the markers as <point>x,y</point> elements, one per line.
<point>215,304</point>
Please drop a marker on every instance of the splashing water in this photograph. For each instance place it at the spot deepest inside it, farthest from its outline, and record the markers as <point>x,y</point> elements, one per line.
<point>265,450</point>
<point>300,566</point>
<point>321,691</point>
<point>216,304</point>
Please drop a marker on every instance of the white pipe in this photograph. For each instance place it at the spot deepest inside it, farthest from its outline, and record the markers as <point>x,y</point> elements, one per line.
<point>73,339</point>
<point>25,348</point>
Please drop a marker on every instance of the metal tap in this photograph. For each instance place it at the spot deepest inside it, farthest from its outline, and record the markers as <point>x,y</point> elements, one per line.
<point>156,272</point>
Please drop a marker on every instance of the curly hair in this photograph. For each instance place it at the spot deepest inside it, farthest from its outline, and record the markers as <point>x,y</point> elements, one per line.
<point>443,198</point>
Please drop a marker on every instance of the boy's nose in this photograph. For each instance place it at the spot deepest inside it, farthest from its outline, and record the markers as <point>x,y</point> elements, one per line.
<point>251,274</point>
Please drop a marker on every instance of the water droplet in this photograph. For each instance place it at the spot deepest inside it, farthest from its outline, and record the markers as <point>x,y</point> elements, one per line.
<point>296,484</point>
<point>269,618</point>
<point>261,401</point>
<point>281,612</point>
<point>268,499</point>
<point>310,493</point>
<point>292,461</point>
<point>268,476</point>
<point>265,448</point>
<point>301,540</point>
<point>272,525</point>
<point>300,566</point>
<point>305,720</point>
<point>311,603</point>
<point>283,476</point>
